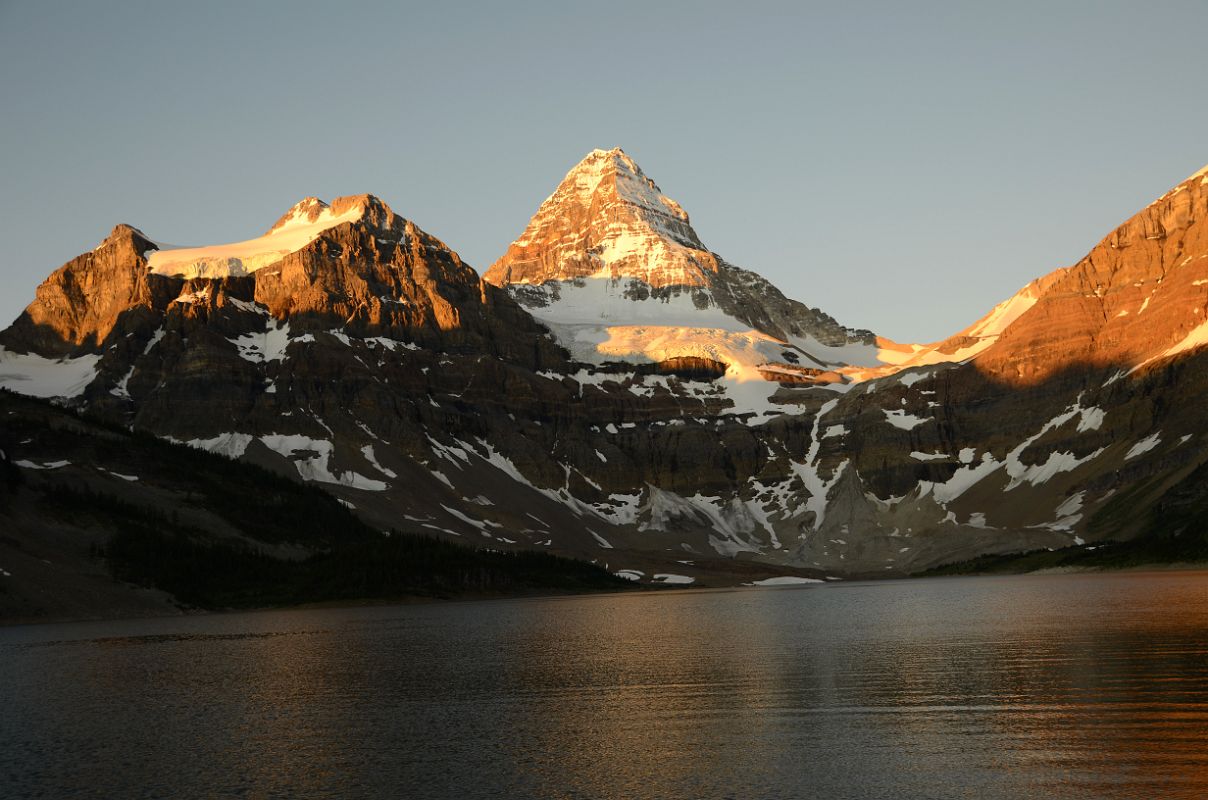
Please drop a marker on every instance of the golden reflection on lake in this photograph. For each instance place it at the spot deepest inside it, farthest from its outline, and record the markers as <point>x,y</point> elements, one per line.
<point>1089,686</point>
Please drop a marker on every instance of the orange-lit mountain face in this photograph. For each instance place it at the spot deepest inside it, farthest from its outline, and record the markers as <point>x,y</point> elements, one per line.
<point>615,269</point>
<point>366,271</point>
<point>613,390</point>
<point>1141,295</point>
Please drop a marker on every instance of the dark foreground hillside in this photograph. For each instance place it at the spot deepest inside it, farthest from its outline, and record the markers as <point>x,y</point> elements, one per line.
<point>1173,530</point>
<point>96,521</point>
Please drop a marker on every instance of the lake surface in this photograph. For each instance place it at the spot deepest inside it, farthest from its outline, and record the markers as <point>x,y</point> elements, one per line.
<point>1089,686</point>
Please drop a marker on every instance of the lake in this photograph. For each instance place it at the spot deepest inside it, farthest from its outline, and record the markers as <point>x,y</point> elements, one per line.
<point>1088,686</point>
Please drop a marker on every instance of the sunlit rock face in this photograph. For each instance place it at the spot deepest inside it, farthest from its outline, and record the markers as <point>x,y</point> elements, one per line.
<point>353,266</point>
<point>1140,294</point>
<point>618,393</point>
<point>78,306</point>
<point>609,250</point>
<point>607,219</point>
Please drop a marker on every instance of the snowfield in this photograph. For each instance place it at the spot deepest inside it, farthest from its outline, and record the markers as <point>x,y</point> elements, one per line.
<point>27,373</point>
<point>243,258</point>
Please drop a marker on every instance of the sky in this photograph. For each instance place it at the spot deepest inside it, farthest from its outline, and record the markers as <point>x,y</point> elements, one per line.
<point>902,166</point>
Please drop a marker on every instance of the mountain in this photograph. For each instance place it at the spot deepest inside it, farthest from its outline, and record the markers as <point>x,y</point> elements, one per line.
<point>615,269</point>
<point>615,392</point>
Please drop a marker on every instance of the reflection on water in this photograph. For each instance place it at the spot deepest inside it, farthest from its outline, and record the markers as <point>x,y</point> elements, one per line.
<point>1070,686</point>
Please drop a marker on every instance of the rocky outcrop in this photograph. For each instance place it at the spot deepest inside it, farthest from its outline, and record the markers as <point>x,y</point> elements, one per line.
<point>79,305</point>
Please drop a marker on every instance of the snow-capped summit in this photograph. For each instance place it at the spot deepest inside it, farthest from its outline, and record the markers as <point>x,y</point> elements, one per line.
<point>616,270</point>
<point>298,227</point>
<point>305,211</point>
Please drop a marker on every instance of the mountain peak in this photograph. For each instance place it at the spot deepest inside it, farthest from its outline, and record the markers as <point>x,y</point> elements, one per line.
<point>607,219</point>
<point>597,155</point>
<point>614,172</point>
<point>304,211</point>
<point>366,208</point>
<point>123,232</point>
<point>311,211</point>
<point>609,252</point>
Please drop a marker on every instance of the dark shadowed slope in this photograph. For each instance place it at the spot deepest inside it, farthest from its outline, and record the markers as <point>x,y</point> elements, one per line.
<point>99,522</point>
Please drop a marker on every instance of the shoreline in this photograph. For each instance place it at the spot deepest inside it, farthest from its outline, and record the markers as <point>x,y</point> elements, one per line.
<point>424,600</point>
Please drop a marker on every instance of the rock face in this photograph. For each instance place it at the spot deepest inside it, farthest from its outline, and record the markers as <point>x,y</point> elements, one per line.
<point>642,416</point>
<point>607,219</point>
<point>1141,294</point>
<point>78,306</point>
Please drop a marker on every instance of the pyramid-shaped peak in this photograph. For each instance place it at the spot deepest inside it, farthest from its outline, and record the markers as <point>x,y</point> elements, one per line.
<point>598,157</point>
<point>358,201</point>
<point>610,176</point>
<point>607,219</point>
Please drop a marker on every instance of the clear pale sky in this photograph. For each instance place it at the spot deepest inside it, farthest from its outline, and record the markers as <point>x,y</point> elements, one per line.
<point>903,166</point>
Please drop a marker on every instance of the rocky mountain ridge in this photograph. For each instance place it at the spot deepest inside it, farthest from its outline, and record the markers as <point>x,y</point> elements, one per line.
<point>372,361</point>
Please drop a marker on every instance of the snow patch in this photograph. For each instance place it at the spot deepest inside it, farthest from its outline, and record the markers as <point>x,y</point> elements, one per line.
<point>188,298</point>
<point>1091,419</point>
<point>371,457</point>
<point>480,524</point>
<point>311,456</point>
<point>36,376</point>
<point>1069,513</point>
<point>120,389</point>
<point>47,465</point>
<point>260,348</point>
<point>1041,473</point>
<point>666,577</point>
<point>1143,446</point>
<point>900,419</point>
<point>809,473</point>
<point>231,445</point>
<point>246,257</point>
<point>786,580</point>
